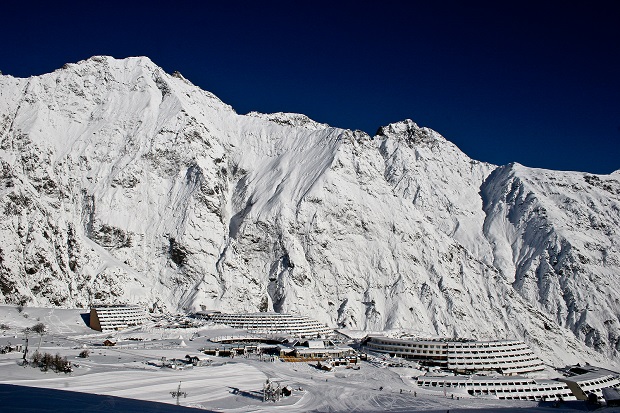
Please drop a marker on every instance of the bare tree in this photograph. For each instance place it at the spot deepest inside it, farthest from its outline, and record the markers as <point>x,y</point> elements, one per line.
<point>47,361</point>
<point>40,329</point>
<point>61,364</point>
<point>37,358</point>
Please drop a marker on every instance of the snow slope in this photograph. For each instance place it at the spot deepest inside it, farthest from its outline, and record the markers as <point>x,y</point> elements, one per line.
<point>120,182</point>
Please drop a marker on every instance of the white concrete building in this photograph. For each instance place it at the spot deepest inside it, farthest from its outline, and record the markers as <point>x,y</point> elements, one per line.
<point>503,388</point>
<point>586,380</point>
<point>433,352</point>
<point>116,317</point>
<point>508,357</point>
<point>272,323</point>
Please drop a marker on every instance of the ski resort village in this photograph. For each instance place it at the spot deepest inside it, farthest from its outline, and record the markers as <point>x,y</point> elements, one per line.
<point>162,252</point>
<point>272,361</point>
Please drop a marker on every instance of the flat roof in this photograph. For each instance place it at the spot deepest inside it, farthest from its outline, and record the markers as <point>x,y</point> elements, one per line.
<point>442,340</point>
<point>495,379</point>
<point>96,307</point>
<point>585,373</point>
<point>322,350</point>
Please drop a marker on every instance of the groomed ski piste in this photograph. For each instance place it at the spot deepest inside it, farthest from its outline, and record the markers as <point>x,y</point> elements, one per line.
<point>131,375</point>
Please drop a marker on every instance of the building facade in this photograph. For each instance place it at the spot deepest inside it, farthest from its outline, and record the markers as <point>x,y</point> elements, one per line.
<point>272,324</point>
<point>587,380</point>
<point>507,357</point>
<point>116,317</point>
<point>514,388</point>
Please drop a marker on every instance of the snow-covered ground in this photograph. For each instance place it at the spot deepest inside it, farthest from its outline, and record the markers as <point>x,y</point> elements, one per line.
<point>228,385</point>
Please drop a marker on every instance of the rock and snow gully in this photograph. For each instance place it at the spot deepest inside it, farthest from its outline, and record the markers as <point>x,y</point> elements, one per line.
<point>120,182</point>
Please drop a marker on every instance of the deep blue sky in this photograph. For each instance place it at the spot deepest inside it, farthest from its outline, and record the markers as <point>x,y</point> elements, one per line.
<point>532,82</point>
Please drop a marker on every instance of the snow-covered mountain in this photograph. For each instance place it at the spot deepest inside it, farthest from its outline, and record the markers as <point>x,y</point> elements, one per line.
<point>120,182</point>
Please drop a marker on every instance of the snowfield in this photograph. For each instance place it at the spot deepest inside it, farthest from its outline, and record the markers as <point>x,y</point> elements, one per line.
<point>122,183</point>
<point>127,371</point>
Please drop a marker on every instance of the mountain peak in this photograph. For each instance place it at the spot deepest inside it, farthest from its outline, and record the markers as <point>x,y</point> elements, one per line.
<point>109,61</point>
<point>290,119</point>
<point>129,61</point>
<point>409,131</point>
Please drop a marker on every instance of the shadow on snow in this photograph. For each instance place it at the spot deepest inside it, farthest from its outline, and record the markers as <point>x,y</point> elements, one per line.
<point>22,399</point>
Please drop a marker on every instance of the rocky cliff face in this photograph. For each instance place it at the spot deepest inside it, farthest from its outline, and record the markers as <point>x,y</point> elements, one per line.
<point>119,182</point>
<point>555,239</point>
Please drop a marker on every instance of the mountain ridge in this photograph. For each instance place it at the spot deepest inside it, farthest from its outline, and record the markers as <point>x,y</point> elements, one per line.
<point>123,183</point>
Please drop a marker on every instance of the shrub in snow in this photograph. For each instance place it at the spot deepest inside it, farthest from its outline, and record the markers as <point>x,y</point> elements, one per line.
<point>47,361</point>
<point>37,358</point>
